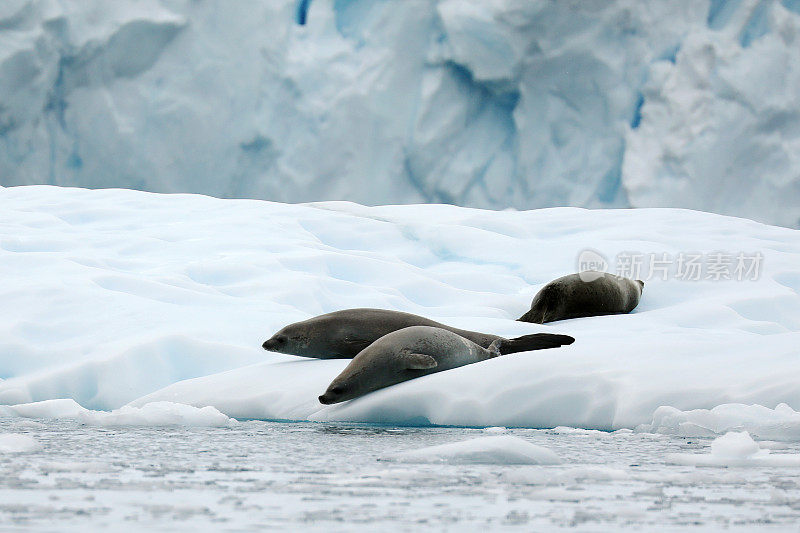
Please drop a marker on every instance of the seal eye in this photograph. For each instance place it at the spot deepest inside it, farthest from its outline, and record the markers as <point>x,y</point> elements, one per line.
<point>338,389</point>
<point>281,340</point>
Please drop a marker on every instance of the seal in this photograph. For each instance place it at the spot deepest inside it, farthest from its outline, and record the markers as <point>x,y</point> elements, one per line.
<point>413,352</point>
<point>343,334</point>
<point>588,293</point>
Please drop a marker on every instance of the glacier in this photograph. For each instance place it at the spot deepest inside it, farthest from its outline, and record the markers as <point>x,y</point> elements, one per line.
<point>483,103</point>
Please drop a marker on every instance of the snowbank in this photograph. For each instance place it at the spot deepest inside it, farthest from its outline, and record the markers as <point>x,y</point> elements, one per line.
<point>735,449</point>
<point>488,104</point>
<point>119,297</point>
<point>16,443</point>
<point>151,414</point>
<point>497,450</point>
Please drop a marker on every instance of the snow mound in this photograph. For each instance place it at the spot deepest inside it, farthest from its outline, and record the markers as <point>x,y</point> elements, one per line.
<point>16,443</point>
<point>487,104</point>
<point>735,449</point>
<point>120,297</point>
<point>151,414</point>
<point>781,423</point>
<point>495,450</point>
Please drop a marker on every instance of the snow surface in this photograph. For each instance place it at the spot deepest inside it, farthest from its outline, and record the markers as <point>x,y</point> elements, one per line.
<point>498,103</point>
<point>119,297</point>
<point>16,443</point>
<point>735,449</point>
<point>496,450</point>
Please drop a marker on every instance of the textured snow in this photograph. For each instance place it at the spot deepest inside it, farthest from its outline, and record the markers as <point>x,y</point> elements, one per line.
<point>735,449</point>
<point>496,450</point>
<point>17,443</point>
<point>482,103</point>
<point>119,297</point>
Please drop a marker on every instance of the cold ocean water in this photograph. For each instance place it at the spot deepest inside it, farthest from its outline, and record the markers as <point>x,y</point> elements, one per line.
<point>340,477</point>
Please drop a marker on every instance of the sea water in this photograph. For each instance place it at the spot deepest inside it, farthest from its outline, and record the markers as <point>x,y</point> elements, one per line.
<point>339,477</point>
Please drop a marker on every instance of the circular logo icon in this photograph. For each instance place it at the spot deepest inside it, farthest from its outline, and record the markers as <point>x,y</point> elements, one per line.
<point>591,265</point>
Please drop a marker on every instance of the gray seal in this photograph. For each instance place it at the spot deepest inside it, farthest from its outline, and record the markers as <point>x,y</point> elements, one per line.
<point>343,334</point>
<point>410,353</point>
<point>588,293</point>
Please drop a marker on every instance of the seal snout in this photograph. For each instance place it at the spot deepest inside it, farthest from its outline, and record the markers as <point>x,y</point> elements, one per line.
<point>325,399</point>
<point>275,343</point>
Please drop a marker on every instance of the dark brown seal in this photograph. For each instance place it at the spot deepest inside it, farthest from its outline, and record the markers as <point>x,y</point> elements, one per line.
<point>585,294</point>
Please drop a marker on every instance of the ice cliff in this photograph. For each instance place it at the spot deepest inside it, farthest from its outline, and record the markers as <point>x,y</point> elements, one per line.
<point>487,103</point>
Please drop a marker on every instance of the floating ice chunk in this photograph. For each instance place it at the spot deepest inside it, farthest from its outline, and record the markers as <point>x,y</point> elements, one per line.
<point>16,443</point>
<point>495,450</point>
<point>735,445</point>
<point>150,414</point>
<point>735,449</point>
<point>158,414</point>
<point>186,306</point>
<point>59,408</point>
<point>780,424</point>
<point>566,430</point>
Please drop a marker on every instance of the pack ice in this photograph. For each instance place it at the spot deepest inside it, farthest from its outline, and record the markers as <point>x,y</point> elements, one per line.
<point>115,298</point>
<point>689,103</point>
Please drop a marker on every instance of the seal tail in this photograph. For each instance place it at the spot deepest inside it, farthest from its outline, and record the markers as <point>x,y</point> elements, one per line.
<point>537,341</point>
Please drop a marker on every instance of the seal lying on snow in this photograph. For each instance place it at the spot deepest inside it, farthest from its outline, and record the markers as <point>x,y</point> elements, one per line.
<point>572,297</point>
<point>417,351</point>
<point>343,334</point>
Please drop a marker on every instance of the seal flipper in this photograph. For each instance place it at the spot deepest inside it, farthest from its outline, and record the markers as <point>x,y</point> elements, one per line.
<point>419,361</point>
<point>536,341</point>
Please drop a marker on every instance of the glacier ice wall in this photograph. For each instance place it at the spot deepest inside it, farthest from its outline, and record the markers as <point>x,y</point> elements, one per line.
<point>488,103</point>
